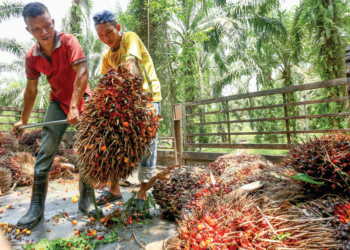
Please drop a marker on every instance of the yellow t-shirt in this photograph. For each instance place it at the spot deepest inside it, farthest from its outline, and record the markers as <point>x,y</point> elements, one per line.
<point>132,44</point>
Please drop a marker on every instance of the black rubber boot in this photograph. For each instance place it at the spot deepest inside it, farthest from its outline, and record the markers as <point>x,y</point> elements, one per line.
<point>37,203</point>
<point>85,201</point>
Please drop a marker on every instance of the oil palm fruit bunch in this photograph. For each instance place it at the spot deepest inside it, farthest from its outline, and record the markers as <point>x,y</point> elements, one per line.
<point>338,210</point>
<point>35,147</point>
<point>68,143</point>
<point>5,152</point>
<point>10,163</point>
<point>30,137</point>
<point>325,159</point>
<point>117,127</point>
<point>71,157</point>
<point>61,149</point>
<point>5,180</point>
<point>183,191</point>
<point>56,169</point>
<point>241,223</point>
<point>25,162</point>
<point>267,173</point>
<point>7,141</point>
<point>231,160</point>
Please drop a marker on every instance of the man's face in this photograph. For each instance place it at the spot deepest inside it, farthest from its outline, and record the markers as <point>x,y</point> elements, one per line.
<point>42,28</point>
<point>108,34</point>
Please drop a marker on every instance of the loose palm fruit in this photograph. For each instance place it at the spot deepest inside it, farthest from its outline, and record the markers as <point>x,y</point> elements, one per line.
<point>74,199</point>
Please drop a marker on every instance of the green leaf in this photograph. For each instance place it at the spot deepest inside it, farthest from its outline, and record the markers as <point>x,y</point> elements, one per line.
<point>304,178</point>
<point>140,223</point>
<point>283,236</point>
<point>147,222</point>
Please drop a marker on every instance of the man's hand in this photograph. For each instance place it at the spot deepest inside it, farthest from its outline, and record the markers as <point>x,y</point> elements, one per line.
<point>14,129</point>
<point>73,116</point>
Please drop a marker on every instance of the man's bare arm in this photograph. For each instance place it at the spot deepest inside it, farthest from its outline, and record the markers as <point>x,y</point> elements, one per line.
<point>80,84</point>
<point>30,94</point>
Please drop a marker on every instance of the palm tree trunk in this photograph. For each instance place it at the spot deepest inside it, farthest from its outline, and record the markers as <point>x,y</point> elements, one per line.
<point>331,65</point>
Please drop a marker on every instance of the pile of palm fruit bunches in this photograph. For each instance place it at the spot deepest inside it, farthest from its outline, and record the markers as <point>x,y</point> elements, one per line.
<point>17,158</point>
<point>243,201</point>
<point>117,127</point>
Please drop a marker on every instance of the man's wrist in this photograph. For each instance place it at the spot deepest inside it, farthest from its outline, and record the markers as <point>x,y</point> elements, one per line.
<point>73,107</point>
<point>23,121</point>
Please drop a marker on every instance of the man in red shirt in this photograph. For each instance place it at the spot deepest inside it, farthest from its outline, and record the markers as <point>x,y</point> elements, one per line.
<point>60,57</point>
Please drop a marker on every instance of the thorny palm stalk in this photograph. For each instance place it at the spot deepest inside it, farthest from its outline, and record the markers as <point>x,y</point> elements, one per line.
<point>254,222</point>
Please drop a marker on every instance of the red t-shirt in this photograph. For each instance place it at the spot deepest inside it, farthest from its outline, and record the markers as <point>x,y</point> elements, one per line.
<point>58,69</point>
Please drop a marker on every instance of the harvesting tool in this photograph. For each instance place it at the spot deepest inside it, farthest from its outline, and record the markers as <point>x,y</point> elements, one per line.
<point>40,125</point>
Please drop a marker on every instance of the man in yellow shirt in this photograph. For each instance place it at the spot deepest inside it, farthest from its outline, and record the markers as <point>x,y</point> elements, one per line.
<point>128,44</point>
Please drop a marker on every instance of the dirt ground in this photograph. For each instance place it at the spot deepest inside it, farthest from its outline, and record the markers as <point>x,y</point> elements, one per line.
<point>158,229</point>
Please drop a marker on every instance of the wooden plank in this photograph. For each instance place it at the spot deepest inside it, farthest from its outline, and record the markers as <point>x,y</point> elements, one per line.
<point>184,124</point>
<point>166,147</point>
<point>166,138</point>
<point>316,85</point>
<point>347,59</point>
<point>286,115</point>
<point>165,162</point>
<point>177,111</point>
<point>165,154</point>
<point>345,130</point>
<point>210,157</point>
<point>21,115</point>
<point>274,119</point>
<point>189,155</point>
<point>336,99</point>
<point>21,109</point>
<point>241,146</point>
<point>274,158</point>
<point>228,124</point>
<point>178,142</point>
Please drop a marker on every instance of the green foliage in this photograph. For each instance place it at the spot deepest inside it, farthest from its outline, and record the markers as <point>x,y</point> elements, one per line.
<point>145,207</point>
<point>79,242</point>
<point>304,178</point>
<point>12,46</point>
<point>10,9</point>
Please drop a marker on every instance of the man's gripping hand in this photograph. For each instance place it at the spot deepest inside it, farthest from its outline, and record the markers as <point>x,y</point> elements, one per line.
<point>14,129</point>
<point>73,116</point>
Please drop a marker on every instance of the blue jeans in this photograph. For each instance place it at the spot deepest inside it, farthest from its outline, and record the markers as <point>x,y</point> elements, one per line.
<point>51,138</point>
<point>147,167</point>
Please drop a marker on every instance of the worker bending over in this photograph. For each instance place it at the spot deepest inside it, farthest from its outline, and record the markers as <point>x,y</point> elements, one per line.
<point>60,57</point>
<point>120,45</point>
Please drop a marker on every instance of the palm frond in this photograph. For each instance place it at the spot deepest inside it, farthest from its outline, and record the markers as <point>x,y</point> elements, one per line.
<point>10,9</point>
<point>237,70</point>
<point>12,46</point>
<point>8,95</point>
<point>16,66</point>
